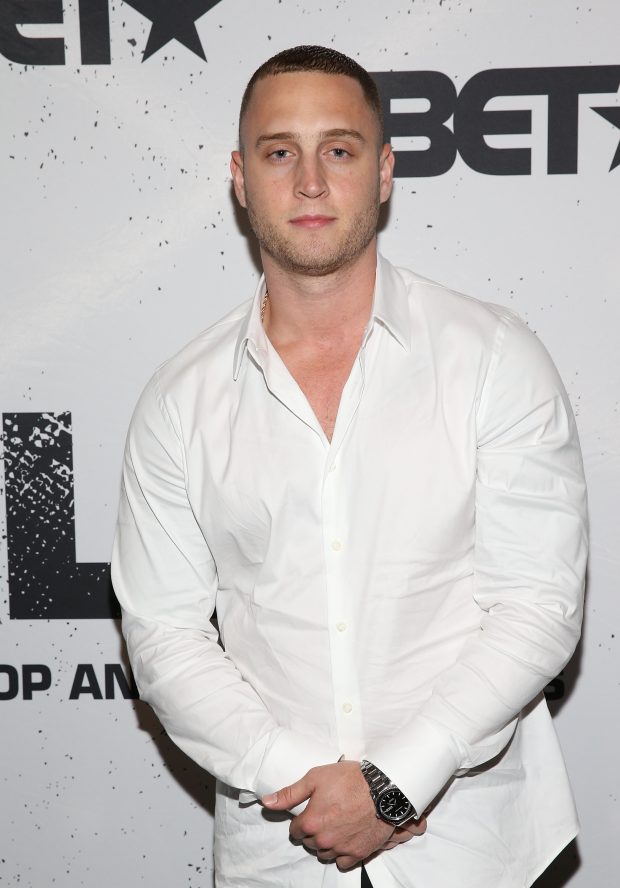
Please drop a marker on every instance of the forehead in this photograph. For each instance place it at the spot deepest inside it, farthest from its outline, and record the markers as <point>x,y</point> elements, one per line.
<point>303,100</point>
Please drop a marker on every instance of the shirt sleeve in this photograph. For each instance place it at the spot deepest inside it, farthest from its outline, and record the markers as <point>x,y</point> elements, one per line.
<point>165,579</point>
<point>529,569</point>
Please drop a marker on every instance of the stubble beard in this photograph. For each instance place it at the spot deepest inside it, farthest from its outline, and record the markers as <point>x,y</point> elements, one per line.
<point>315,258</point>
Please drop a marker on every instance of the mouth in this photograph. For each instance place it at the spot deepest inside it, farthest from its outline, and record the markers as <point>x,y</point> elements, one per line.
<point>312,222</point>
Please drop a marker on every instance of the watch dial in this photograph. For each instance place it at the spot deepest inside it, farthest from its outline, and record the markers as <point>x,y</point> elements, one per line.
<point>394,806</point>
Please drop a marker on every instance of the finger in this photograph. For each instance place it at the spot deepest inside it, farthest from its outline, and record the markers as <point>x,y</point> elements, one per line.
<point>416,827</point>
<point>288,796</point>
<point>309,842</point>
<point>304,829</point>
<point>346,863</point>
<point>397,839</point>
<point>404,834</point>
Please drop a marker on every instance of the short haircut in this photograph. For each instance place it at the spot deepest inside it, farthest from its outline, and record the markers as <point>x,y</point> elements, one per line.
<point>320,59</point>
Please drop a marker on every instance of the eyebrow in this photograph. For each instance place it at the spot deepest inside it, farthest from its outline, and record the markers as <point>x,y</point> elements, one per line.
<point>325,134</point>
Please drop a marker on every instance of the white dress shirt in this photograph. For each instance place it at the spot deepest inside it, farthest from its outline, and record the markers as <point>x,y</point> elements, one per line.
<point>401,594</point>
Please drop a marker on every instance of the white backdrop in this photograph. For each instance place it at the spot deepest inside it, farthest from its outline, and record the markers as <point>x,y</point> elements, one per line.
<point>120,242</point>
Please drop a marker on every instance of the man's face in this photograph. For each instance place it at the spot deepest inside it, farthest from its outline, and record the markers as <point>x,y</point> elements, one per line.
<point>312,173</point>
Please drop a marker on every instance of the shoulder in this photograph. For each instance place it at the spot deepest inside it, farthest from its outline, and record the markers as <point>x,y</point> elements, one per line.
<point>442,307</point>
<point>445,317</point>
<point>197,376</point>
<point>471,336</point>
<point>211,352</point>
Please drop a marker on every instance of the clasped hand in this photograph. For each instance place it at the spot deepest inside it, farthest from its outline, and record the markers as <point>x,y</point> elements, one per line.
<point>339,822</point>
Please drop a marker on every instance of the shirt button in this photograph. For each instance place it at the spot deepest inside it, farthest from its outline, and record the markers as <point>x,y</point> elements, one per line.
<point>347,707</point>
<point>341,627</point>
<point>336,545</point>
<point>332,468</point>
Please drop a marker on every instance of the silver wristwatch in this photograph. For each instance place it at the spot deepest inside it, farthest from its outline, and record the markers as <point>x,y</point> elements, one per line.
<point>391,805</point>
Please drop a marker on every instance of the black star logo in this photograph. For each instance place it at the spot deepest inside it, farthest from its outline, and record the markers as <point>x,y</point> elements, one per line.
<point>613,116</point>
<point>173,20</point>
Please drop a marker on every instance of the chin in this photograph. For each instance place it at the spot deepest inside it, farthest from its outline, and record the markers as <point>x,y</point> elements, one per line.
<point>316,262</point>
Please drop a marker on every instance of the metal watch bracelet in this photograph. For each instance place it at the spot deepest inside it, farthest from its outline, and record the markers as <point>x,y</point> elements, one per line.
<point>379,784</point>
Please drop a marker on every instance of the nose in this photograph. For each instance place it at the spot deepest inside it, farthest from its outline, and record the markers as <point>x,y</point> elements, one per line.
<point>311,180</point>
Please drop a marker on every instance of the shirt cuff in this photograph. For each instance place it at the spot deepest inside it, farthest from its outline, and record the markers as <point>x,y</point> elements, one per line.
<point>420,763</point>
<point>288,757</point>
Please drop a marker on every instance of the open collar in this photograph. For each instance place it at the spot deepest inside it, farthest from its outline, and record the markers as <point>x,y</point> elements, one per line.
<point>390,309</point>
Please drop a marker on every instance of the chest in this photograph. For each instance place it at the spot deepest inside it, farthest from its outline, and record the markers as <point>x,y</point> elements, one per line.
<point>321,374</point>
<point>396,482</point>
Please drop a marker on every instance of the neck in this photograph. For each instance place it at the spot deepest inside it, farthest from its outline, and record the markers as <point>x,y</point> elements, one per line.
<point>320,309</point>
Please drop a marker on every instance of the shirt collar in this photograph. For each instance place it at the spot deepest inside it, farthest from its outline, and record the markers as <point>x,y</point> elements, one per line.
<point>391,305</point>
<point>251,328</point>
<point>390,309</point>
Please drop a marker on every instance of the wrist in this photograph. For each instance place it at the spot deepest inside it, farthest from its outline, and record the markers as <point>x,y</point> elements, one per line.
<point>390,803</point>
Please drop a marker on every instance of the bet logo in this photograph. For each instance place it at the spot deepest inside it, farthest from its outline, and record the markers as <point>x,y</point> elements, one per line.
<point>472,121</point>
<point>169,21</point>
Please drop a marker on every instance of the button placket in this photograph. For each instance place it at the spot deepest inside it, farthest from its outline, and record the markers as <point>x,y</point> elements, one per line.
<point>344,675</point>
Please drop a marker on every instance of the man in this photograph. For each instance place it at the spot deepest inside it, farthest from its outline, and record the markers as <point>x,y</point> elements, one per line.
<point>379,484</point>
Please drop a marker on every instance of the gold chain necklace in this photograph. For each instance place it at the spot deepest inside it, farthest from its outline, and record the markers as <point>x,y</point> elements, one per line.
<point>263,306</point>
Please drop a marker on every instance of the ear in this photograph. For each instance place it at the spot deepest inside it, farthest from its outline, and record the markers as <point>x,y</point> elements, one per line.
<point>386,172</point>
<point>236,171</point>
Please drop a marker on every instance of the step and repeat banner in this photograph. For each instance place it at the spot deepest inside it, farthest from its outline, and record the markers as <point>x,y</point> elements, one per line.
<point>121,241</point>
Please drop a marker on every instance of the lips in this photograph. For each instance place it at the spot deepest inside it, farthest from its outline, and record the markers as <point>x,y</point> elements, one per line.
<point>312,222</point>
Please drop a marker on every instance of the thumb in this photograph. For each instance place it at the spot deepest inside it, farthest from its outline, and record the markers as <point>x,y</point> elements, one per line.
<point>289,796</point>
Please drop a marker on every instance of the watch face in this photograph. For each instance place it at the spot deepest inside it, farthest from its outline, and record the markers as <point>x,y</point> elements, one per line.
<point>393,806</point>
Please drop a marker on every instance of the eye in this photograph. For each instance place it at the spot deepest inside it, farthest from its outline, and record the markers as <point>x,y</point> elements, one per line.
<point>280,154</point>
<point>339,152</point>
